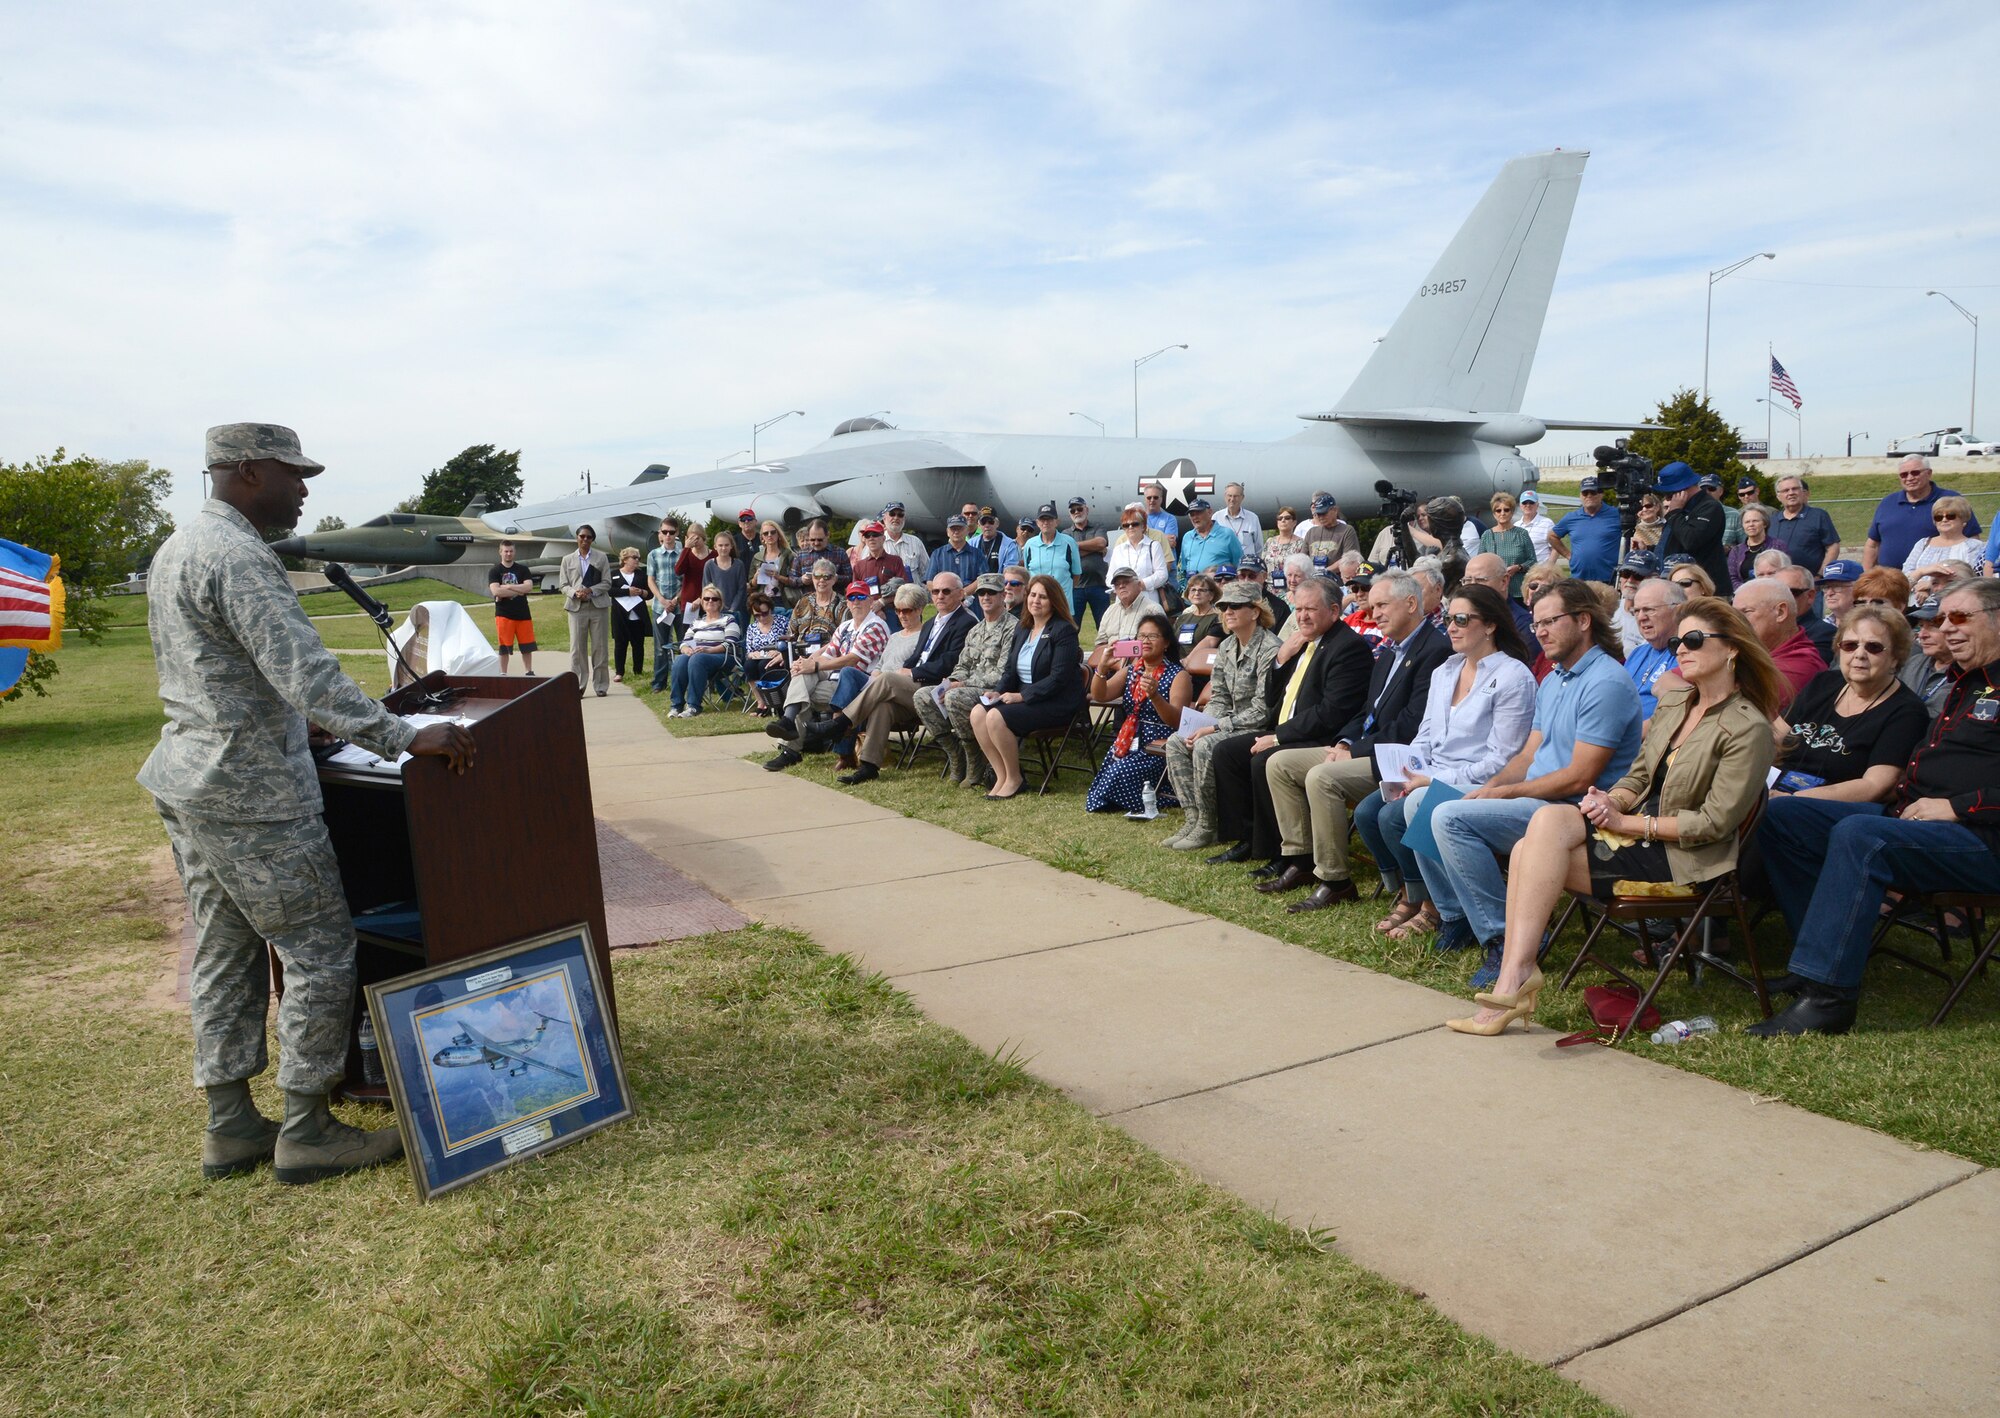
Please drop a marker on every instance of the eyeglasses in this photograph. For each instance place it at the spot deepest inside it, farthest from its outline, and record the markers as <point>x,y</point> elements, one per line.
<point>1877,601</point>
<point>1687,583</point>
<point>986,591</point>
<point>712,600</point>
<point>1461,619</point>
<point>940,590</point>
<point>989,521</point>
<point>1914,473</point>
<point>1961,617</point>
<point>1015,585</point>
<point>1553,621</point>
<point>1128,526</point>
<point>1694,640</point>
<point>586,536</point>
<point>852,599</point>
<point>1873,647</point>
<point>1945,517</point>
<point>822,575</point>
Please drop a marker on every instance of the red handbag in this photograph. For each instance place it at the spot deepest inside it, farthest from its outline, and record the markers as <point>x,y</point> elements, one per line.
<point>1611,1006</point>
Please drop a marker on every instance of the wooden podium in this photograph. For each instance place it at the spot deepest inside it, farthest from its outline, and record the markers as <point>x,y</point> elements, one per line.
<point>505,851</point>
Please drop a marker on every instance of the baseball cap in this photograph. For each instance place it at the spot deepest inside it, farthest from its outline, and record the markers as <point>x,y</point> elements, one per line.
<point>1675,477</point>
<point>746,512</point>
<point>1639,563</point>
<point>1746,483</point>
<point>1680,558</point>
<point>1027,524</point>
<point>1201,504</point>
<point>1325,502</point>
<point>247,442</point>
<point>955,520</point>
<point>1839,573</point>
<point>1119,573</point>
<point>1078,502</point>
<point>889,507</point>
<point>1251,562</point>
<point>1711,482</point>
<point>1589,485</point>
<point>1047,509</point>
<point>987,581</point>
<point>1530,496</point>
<point>1926,609</point>
<point>1240,593</point>
<point>858,588</point>
<point>871,529</point>
<point>1224,572</point>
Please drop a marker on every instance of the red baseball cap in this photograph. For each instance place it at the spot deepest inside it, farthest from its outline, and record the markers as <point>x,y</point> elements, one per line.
<point>746,512</point>
<point>872,529</point>
<point>859,588</point>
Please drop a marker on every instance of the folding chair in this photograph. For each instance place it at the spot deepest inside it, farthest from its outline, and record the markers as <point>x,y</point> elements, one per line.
<point>1976,908</point>
<point>1052,748</point>
<point>912,744</point>
<point>1696,908</point>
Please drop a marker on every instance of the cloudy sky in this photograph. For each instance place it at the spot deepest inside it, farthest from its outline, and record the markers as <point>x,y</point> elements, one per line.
<point>613,234</point>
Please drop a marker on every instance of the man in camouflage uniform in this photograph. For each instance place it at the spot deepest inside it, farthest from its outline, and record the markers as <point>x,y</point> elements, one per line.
<point>1238,702</point>
<point>978,670</point>
<point>240,667</point>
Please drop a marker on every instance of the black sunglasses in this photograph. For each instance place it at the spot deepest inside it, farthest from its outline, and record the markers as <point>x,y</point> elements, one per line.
<point>1461,619</point>
<point>1694,640</point>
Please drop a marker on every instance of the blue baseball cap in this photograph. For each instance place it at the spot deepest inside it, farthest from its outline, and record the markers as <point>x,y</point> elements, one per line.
<point>1325,502</point>
<point>1201,504</point>
<point>1746,483</point>
<point>1711,482</point>
<point>1251,562</point>
<point>1839,573</point>
<point>1675,477</point>
<point>1926,609</point>
<point>1680,558</point>
<point>1639,563</point>
<point>1224,572</point>
<point>1589,485</point>
<point>955,520</point>
<point>889,507</point>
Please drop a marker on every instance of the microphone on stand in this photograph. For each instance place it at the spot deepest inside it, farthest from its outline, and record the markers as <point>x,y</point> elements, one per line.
<point>379,613</point>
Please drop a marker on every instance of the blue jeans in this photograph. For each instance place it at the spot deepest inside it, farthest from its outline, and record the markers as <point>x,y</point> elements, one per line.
<point>1381,825</point>
<point>1831,864</point>
<point>845,690</point>
<point>664,644</point>
<point>1095,599</point>
<point>1468,883</point>
<point>690,676</point>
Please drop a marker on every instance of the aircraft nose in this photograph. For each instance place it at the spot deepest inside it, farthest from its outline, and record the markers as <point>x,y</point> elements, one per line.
<point>290,546</point>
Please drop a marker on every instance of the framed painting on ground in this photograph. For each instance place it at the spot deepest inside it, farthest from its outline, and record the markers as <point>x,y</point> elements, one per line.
<point>498,1057</point>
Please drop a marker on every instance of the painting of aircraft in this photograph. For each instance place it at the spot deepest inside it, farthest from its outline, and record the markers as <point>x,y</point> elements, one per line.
<point>1436,409</point>
<point>469,1049</point>
<point>503,1057</point>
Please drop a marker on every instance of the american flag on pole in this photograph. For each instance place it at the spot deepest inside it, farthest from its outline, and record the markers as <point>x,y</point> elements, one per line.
<point>1782,383</point>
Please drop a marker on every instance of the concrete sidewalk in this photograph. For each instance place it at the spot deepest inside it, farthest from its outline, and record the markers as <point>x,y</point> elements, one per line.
<point>1671,1243</point>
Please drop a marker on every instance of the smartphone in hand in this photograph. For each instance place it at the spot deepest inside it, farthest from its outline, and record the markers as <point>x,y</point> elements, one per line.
<point>1125,650</point>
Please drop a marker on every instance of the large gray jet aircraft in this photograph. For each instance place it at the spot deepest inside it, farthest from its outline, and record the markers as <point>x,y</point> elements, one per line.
<point>1435,410</point>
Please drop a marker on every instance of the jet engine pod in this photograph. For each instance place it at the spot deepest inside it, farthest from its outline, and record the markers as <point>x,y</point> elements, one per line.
<point>789,510</point>
<point>1514,474</point>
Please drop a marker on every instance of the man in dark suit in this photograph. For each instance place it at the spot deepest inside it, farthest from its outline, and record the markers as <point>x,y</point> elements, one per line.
<point>1320,682</point>
<point>889,700</point>
<point>1313,789</point>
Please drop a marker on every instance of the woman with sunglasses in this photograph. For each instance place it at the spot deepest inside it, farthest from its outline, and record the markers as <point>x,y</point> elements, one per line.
<point>1041,685</point>
<point>708,648</point>
<point>1673,818</point>
<point>1927,671</point>
<point>1950,515</point>
<point>1137,548</point>
<point>1153,690</point>
<point>774,570</point>
<point>1507,541</point>
<point>764,659</point>
<point>1852,730</point>
<point>1693,580</point>
<point>1884,588</point>
<point>1480,708</point>
<point>1284,544</point>
<point>729,574</point>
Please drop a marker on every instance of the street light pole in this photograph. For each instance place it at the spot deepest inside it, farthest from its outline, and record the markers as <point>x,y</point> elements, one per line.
<point>758,428</point>
<point>1100,427</point>
<point>1797,418</point>
<point>727,456</point>
<point>1708,317</point>
<point>1144,359</point>
<point>1850,441</point>
<point>1971,417</point>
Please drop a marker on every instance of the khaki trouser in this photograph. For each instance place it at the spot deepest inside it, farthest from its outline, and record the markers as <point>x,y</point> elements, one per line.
<point>1311,798</point>
<point>589,648</point>
<point>885,703</point>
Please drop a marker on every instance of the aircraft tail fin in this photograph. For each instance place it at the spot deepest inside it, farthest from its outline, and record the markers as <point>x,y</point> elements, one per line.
<point>1467,338</point>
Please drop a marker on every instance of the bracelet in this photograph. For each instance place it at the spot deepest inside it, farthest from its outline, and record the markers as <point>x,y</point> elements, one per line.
<point>1651,824</point>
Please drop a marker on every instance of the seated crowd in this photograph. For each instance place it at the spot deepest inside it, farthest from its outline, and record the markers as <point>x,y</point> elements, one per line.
<point>1496,732</point>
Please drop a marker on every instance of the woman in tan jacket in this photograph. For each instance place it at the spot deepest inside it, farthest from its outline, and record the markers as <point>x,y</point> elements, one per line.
<point>1674,817</point>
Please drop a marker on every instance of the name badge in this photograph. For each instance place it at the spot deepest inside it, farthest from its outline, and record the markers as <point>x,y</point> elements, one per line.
<point>1187,637</point>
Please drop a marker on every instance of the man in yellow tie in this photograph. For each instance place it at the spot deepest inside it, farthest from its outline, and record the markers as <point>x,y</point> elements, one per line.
<point>1321,679</point>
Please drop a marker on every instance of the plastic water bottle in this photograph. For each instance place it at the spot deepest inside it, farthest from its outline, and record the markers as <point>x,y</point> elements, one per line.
<point>371,1057</point>
<point>1679,1031</point>
<point>1149,805</point>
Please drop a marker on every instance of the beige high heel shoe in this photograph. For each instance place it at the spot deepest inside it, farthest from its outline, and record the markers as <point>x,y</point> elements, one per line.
<point>1491,1026</point>
<point>1530,987</point>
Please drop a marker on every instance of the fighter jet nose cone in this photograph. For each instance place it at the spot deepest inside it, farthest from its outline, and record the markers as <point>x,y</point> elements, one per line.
<point>290,546</point>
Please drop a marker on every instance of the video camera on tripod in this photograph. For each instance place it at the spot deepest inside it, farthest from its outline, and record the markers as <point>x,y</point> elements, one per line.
<point>1632,476</point>
<point>1399,508</point>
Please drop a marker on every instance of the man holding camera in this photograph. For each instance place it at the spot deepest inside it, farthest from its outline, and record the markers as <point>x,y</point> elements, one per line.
<point>1694,521</point>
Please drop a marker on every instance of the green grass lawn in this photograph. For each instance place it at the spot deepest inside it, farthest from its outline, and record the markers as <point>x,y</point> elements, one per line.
<point>1930,1087</point>
<point>826,1205</point>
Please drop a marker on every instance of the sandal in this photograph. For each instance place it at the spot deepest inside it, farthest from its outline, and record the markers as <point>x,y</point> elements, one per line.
<point>1403,911</point>
<point>1425,921</point>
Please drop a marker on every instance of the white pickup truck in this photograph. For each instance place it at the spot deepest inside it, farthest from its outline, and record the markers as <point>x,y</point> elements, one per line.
<point>1944,443</point>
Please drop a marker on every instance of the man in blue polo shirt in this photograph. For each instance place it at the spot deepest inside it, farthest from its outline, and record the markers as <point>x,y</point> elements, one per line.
<point>957,555</point>
<point>1588,536</point>
<point>1656,606</point>
<point>1586,733</point>
<point>1806,534</point>
<point>1053,553</point>
<point>1207,544</point>
<point>1904,518</point>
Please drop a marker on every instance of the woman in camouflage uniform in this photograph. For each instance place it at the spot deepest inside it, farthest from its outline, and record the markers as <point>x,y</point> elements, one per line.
<point>1238,701</point>
<point>978,671</point>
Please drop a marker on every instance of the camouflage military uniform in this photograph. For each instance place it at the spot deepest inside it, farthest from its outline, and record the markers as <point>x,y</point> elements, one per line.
<point>978,670</point>
<point>1239,705</point>
<point>234,783</point>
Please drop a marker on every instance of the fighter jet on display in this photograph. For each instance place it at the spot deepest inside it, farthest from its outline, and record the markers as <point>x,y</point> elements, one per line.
<point>469,1048</point>
<point>1435,410</point>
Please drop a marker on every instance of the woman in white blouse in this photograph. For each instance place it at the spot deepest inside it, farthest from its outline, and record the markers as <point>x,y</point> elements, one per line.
<point>1134,548</point>
<point>1480,709</point>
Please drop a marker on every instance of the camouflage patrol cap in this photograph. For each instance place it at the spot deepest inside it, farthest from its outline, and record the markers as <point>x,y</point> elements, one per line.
<point>231,443</point>
<point>1241,593</point>
<point>987,581</point>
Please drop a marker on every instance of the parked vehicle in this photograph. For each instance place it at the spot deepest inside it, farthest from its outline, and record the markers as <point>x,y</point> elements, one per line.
<point>1943,443</point>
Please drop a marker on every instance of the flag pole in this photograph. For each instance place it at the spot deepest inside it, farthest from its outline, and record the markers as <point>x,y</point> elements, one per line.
<point>1770,388</point>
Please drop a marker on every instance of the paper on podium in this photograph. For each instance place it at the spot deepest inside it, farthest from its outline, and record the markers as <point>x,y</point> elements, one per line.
<point>1418,835</point>
<point>353,755</point>
<point>1192,719</point>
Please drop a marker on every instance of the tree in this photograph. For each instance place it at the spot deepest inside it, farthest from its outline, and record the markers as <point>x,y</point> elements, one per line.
<point>103,520</point>
<point>480,471</point>
<point>331,523</point>
<point>1692,432</point>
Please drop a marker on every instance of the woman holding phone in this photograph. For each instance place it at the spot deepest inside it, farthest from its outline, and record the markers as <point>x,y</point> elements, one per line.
<point>1150,684</point>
